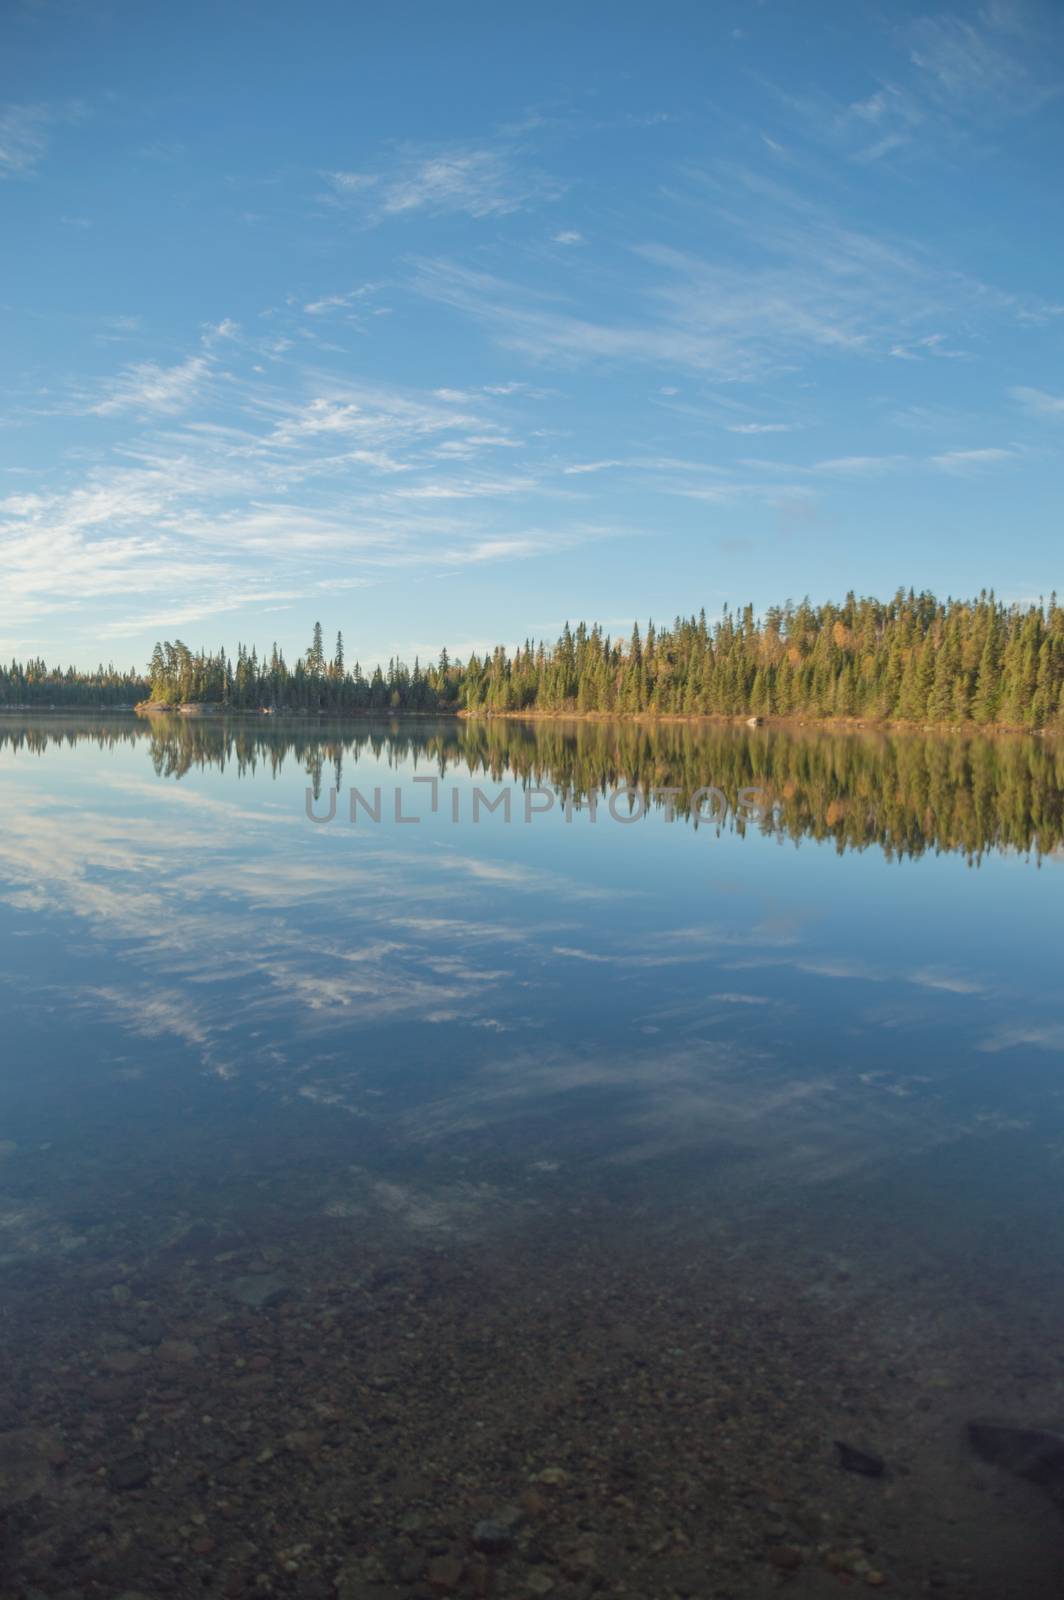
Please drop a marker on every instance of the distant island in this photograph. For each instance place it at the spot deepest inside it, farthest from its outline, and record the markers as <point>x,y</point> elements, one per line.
<point>913,659</point>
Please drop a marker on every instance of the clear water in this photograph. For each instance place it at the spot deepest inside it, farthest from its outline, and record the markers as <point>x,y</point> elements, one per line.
<point>814,1050</point>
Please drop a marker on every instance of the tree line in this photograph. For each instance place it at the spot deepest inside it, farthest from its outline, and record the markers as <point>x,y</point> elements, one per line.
<point>913,659</point>
<point>35,684</point>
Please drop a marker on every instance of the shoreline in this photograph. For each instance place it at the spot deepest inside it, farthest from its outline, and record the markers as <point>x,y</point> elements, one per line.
<point>651,718</point>
<point>749,720</point>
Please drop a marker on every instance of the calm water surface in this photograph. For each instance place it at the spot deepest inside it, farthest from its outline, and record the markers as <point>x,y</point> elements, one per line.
<point>821,1040</point>
<point>854,993</point>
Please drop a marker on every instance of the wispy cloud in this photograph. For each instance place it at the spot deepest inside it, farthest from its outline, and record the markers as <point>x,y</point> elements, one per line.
<point>760,427</point>
<point>26,131</point>
<point>1036,1036</point>
<point>1038,402</point>
<point>477,181</point>
<point>525,321</point>
<point>253,499</point>
<point>887,121</point>
<point>963,61</point>
<point>788,281</point>
<point>951,983</point>
<point>932,344</point>
<point>962,78</point>
<point>339,302</point>
<point>496,550</point>
<point>858,466</point>
<point>170,618</point>
<point>968,460</point>
<point>781,496</point>
<point>24,134</point>
<point>146,387</point>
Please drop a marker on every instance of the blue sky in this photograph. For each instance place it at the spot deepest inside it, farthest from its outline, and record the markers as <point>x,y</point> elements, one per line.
<point>444,324</point>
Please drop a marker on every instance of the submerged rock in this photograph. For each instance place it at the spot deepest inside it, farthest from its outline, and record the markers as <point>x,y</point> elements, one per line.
<point>151,1330</point>
<point>539,1582</point>
<point>28,1456</point>
<point>132,1472</point>
<point>493,1536</point>
<point>851,1459</point>
<point>177,1352</point>
<point>123,1362</point>
<point>259,1291</point>
<point>1033,1453</point>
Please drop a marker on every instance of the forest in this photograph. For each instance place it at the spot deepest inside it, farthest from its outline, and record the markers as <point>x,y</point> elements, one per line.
<point>34,684</point>
<point>911,659</point>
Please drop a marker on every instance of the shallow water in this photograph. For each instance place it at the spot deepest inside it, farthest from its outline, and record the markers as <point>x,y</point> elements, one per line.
<point>791,1068</point>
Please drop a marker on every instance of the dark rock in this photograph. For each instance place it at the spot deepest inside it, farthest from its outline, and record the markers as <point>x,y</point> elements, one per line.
<point>132,1472</point>
<point>150,1329</point>
<point>1033,1453</point>
<point>863,1461</point>
<point>383,1276</point>
<point>493,1537</point>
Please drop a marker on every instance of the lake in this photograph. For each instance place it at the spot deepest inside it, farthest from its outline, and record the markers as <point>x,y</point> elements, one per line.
<point>430,1198</point>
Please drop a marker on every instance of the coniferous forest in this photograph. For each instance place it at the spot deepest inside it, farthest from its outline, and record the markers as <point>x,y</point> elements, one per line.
<point>911,659</point>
